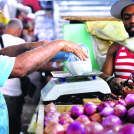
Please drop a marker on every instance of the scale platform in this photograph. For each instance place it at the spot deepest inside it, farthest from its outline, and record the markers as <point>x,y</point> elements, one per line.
<point>65,86</point>
<point>66,74</point>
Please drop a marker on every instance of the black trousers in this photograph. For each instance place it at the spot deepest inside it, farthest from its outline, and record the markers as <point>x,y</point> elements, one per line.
<point>15,106</point>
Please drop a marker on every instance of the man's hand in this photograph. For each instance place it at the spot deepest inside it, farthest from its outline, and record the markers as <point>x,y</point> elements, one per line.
<point>30,61</point>
<point>68,46</point>
<point>115,84</point>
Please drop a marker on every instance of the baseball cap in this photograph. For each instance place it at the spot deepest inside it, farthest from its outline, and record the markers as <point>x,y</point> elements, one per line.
<point>118,6</point>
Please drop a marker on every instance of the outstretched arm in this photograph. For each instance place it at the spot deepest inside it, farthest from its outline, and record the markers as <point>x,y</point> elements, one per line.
<point>108,68</point>
<point>16,50</point>
<point>33,60</point>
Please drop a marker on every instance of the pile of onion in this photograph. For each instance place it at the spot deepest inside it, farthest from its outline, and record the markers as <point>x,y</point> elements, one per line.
<point>106,118</point>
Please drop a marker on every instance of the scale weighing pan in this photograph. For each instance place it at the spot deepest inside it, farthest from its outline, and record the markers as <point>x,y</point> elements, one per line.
<point>66,74</point>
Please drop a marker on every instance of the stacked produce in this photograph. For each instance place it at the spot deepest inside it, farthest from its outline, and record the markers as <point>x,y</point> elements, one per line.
<point>109,117</point>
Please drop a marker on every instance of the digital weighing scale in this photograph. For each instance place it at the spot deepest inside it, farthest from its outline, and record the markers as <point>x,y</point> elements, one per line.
<point>64,86</point>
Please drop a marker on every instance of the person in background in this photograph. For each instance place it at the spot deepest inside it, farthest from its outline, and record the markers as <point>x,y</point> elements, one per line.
<point>18,61</point>
<point>22,16</point>
<point>120,60</point>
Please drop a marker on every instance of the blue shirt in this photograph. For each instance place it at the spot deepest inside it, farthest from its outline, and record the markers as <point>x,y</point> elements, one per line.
<point>6,66</point>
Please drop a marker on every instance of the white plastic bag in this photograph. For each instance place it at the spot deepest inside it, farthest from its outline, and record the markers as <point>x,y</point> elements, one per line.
<point>76,66</point>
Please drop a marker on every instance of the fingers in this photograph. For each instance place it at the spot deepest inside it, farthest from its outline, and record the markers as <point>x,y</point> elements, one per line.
<point>121,92</point>
<point>118,84</point>
<point>68,46</point>
<point>84,55</point>
<point>115,85</point>
<point>80,53</point>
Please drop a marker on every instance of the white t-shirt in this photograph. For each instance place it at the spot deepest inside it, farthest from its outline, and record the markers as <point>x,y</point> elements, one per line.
<point>12,87</point>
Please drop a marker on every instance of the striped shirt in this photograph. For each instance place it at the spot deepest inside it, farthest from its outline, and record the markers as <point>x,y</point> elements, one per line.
<point>124,64</point>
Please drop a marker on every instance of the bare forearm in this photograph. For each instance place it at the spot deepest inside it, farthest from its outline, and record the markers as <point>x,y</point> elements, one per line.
<point>106,72</point>
<point>33,60</point>
<point>16,50</point>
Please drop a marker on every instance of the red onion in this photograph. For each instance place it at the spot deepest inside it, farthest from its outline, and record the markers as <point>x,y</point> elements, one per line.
<point>96,117</point>
<point>93,127</point>
<point>52,114</point>
<point>90,108</point>
<point>112,129</point>
<point>102,105</point>
<point>76,111</point>
<point>83,119</point>
<point>65,114</point>
<point>107,111</point>
<point>62,121</point>
<point>110,120</point>
<point>75,128</point>
<point>121,101</point>
<point>66,119</point>
<point>129,100</point>
<point>120,110</point>
<point>54,128</point>
<point>50,107</point>
<point>110,103</point>
<point>130,114</point>
<point>50,120</point>
<point>127,129</point>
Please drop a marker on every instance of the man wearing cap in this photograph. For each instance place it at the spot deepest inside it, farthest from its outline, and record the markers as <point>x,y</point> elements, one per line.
<point>120,60</point>
<point>23,59</point>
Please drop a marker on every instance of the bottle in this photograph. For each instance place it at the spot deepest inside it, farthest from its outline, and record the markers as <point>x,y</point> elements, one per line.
<point>59,57</point>
<point>67,55</point>
<point>76,66</point>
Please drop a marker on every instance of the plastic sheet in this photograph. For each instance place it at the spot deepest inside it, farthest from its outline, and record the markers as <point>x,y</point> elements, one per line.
<point>76,66</point>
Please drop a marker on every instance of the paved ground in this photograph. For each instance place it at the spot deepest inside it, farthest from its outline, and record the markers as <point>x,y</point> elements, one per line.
<point>31,103</point>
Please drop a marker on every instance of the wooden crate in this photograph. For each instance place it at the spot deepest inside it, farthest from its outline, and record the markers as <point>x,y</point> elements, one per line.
<point>61,108</point>
<point>95,100</point>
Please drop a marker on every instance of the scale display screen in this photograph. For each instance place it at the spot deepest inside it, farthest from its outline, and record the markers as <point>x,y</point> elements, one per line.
<point>48,87</point>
